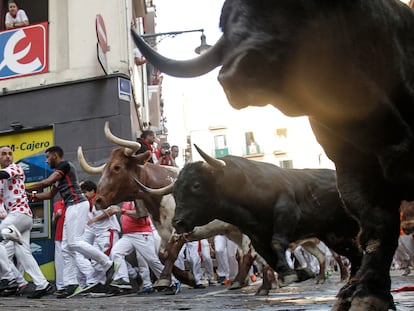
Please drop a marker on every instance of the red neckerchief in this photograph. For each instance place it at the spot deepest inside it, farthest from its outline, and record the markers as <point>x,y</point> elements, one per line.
<point>91,202</point>
<point>147,144</point>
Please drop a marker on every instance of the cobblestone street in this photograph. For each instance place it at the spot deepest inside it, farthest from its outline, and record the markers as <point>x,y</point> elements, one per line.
<point>304,296</point>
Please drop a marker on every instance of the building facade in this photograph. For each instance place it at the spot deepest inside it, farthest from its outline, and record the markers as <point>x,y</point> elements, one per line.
<point>62,76</point>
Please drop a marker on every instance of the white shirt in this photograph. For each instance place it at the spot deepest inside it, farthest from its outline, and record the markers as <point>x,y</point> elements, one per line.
<point>20,17</point>
<point>14,193</point>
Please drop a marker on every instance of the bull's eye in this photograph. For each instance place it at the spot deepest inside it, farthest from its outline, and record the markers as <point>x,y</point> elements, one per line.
<point>196,187</point>
<point>117,168</point>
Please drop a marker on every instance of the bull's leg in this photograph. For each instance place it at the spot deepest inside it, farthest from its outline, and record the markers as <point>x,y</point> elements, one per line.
<point>369,289</point>
<point>168,258</point>
<point>315,251</point>
<point>285,273</point>
<point>284,220</point>
<point>372,280</point>
<point>245,261</point>
<point>269,281</point>
<point>342,268</point>
<point>246,256</point>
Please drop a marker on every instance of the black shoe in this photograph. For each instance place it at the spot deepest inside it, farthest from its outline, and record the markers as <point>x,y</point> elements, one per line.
<point>8,285</point>
<point>110,273</point>
<point>199,286</point>
<point>41,292</point>
<point>69,290</point>
<point>100,288</point>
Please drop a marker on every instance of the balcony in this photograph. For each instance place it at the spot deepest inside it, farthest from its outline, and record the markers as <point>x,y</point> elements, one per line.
<point>253,151</point>
<point>221,152</point>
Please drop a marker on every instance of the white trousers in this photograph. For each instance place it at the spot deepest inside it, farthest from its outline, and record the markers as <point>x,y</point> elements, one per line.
<point>405,250</point>
<point>198,252</point>
<point>143,244</point>
<point>73,228</point>
<point>23,252</point>
<point>59,265</point>
<point>225,249</point>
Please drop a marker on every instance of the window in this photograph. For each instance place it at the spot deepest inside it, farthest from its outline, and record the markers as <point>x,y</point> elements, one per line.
<point>281,141</point>
<point>251,146</point>
<point>286,164</point>
<point>220,146</point>
<point>37,11</point>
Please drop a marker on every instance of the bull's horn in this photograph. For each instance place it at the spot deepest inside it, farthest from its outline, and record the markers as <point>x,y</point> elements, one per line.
<point>161,191</point>
<point>86,167</point>
<point>198,66</point>
<point>130,146</point>
<point>215,163</point>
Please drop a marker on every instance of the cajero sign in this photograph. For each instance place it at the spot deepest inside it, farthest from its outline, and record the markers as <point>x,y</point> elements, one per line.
<point>25,144</point>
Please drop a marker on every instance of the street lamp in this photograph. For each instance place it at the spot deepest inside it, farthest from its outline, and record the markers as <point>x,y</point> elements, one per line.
<point>199,50</point>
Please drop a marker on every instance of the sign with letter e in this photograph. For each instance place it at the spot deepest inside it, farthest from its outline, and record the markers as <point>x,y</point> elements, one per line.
<point>23,51</point>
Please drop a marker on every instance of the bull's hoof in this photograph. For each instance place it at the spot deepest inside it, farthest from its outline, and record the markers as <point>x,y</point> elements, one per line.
<point>304,274</point>
<point>341,305</point>
<point>288,279</point>
<point>162,284</point>
<point>236,285</point>
<point>262,292</point>
<point>370,303</point>
<point>320,280</point>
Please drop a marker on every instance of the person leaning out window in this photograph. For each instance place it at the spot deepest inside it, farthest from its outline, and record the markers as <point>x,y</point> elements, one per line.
<point>15,17</point>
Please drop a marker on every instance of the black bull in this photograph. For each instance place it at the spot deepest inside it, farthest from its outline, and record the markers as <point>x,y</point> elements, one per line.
<point>348,65</point>
<point>273,206</point>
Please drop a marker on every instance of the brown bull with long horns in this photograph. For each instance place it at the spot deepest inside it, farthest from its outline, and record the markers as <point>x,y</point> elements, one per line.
<point>118,184</point>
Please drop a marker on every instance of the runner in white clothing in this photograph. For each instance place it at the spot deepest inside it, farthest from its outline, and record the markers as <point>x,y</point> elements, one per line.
<point>102,235</point>
<point>18,222</point>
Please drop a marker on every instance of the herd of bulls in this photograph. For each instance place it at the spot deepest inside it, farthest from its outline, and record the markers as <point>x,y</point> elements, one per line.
<point>304,206</point>
<point>348,65</point>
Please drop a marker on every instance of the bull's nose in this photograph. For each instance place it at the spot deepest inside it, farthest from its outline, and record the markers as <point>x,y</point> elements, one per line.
<point>179,226</point>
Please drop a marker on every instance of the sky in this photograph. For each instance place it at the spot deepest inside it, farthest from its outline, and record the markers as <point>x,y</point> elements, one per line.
<point>181,15</point>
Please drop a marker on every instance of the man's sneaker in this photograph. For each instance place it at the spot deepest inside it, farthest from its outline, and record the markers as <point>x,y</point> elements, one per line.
<point>406,272</point>
<point>221,279</point>
<point>69,290</point>
<point>9,292</point>
<point>59,292</point>
<point>8,285</point>
<point>12,233</point>
<point>18,291</point>
<point>41,292</point>
<point>199,286</point>
<point>146,290</point>
<point>253,277</point>
<point>120,283</point>
<point>174,289</point>
<point>110,273</point>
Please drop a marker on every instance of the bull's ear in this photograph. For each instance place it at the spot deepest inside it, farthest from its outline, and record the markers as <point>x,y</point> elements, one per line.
<point>213,162</point>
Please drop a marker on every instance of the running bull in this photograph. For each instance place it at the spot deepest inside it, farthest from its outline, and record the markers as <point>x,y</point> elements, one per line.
<point>273,206</point>
<point>118,184</point>
<point>348,65</point>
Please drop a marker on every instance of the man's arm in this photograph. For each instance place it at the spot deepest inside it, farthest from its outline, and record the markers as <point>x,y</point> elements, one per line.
<point>56,176</point>
<point>4,175</point>
<point>112,210</point>
<point>33,197</point>
<point>56,216</point>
